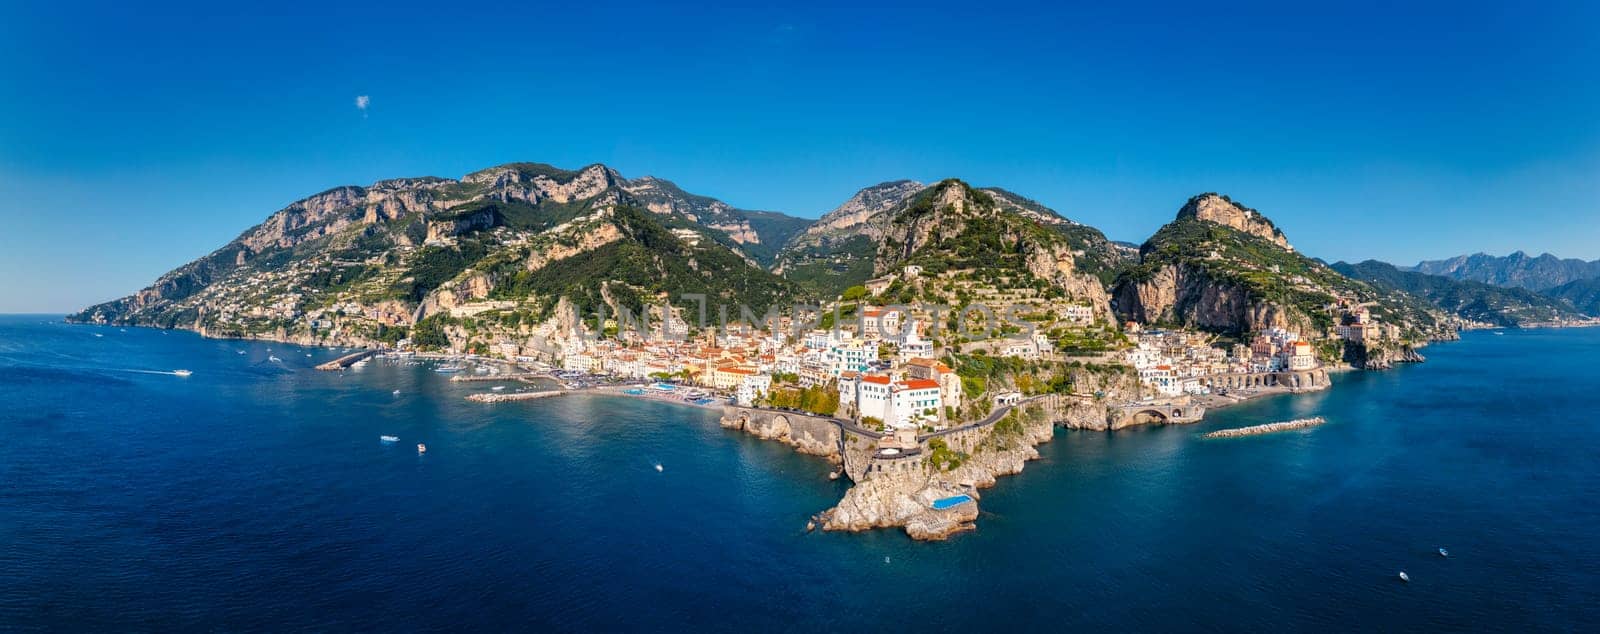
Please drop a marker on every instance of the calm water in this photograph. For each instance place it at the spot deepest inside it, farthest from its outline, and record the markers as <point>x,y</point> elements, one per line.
<point>256,495</point>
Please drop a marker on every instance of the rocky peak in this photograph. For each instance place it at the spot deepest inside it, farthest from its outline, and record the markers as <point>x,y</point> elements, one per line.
<point>866,204</point>
<point>1219,209</point>
<point>534,183</point>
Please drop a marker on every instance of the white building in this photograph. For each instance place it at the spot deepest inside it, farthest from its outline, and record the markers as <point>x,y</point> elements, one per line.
<point>904,404</point>
<point>751,387</point>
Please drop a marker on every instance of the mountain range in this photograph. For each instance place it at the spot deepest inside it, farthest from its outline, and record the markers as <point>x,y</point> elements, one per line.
<point>1516,270</point>
<point>493,256</point>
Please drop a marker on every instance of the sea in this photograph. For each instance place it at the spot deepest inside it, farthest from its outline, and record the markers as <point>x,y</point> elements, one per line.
<point>256,495</point>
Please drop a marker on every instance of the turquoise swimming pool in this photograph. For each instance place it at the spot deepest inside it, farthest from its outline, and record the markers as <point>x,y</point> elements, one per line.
<point>944,503</point>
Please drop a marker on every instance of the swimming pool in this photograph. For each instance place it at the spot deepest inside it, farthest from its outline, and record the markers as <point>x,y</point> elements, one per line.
<point>944,503</point>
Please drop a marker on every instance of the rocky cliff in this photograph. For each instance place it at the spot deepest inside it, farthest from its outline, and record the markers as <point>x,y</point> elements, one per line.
<point>1223,267</point>
<point>901,494</point>
<point>499,247</point>
<point>1219,209</point>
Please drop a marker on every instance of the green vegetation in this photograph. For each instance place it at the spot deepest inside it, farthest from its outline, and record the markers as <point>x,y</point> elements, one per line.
<point>433,266</point>
<point>820,400</point>
<point>1473,300</point>
<point>651,263</point>
<point>429,333</point>
<point>828,270</point>
<point>942,457</point>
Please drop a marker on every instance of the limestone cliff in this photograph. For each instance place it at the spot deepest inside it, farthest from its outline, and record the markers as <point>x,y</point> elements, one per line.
<point>1219,209</point>
<point>1223,267</point>
<point>364,264</point>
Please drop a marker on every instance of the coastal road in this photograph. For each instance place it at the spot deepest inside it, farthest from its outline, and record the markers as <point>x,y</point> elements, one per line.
<point>992,418</point>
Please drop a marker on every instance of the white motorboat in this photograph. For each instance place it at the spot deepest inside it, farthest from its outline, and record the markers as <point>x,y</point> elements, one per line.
<point>182,372</point>
<point>389,438</point>
<point>1405,577</point>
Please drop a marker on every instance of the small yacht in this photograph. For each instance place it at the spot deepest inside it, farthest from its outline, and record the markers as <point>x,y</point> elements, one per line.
<point>1444,553</point>
<point>421,448</point>
<point>449,369</point>
<point>497,388</point>
<point>397,392</point>
<point>659,468</point>
<point>1405,577</point>
<point>182,372</point>
<point>274,359</point>
<point>389,438</point>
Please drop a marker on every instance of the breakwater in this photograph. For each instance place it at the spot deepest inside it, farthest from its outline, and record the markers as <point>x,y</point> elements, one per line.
<point>514,396</point>
<point>483,378</point>
<point>1268,428</point>
<point>346,360</point>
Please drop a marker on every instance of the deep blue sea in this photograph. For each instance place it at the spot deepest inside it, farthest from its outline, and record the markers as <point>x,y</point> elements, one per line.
<point>257,496</point>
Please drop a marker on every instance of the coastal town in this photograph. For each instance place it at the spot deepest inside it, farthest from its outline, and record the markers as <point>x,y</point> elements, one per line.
<point>887,369</point>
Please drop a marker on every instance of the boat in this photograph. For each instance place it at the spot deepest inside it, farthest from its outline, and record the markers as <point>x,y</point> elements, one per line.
<point>449,369</point>
<point>182,372</point>
<point>1498,333</point>
<point>497,388</point>
<point>389,438</point>
<point>98,335</point>
<point>238,352</point>
<point>659,468</point>
<point>1444,553</point>
<point>421,448</point>
<point>397,392</point>
<point>274,359</point>
<point>1405,577</point>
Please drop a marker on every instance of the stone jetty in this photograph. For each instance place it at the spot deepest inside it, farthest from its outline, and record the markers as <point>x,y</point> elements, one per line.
<point>346,360</point>
<point>1268,428</point>
<point>494,397</point>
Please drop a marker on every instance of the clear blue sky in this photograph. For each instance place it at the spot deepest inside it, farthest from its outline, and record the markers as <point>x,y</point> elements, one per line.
<point>133,139</point>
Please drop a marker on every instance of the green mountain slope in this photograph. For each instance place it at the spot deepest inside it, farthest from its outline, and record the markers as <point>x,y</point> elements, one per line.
<point>503,245</point>
<point>1470,300</point>
<point>1583,295</point>
<point>1223,267</point>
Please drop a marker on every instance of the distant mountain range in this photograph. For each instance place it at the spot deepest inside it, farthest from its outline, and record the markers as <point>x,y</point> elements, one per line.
<point>1469,299</point>
<point>1516,270</point>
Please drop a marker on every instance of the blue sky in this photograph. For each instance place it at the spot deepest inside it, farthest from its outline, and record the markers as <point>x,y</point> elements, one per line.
<point>134,139</point>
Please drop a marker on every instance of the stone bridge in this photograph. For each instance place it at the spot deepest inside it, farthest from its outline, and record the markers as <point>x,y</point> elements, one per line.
<point>1315,378</point>
<point>1174,411</point>
<point>835,438</point>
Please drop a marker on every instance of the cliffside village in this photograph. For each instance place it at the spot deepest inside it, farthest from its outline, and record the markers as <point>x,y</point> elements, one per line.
<point>888,374</point>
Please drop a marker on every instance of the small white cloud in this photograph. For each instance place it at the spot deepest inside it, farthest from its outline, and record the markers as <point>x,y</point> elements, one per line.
<point>361,103</point>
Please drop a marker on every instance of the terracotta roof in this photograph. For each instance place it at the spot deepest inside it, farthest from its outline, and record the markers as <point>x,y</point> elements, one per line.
<point>920,384</point>
<point>878,379</point>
